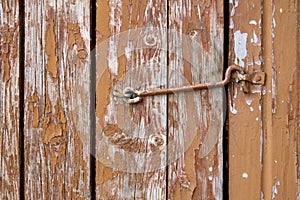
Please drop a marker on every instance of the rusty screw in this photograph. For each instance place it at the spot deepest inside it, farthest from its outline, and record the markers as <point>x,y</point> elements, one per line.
<point>257,78</point>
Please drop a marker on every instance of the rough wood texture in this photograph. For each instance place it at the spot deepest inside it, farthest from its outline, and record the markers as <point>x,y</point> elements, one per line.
<point>264,126</point>
<point>9,100</point>
<point>131,140</point>
<point>195,119</point>
<point>57,81</point>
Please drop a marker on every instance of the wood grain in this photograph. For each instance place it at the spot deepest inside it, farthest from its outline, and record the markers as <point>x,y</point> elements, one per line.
<point>57,82</point>
<point>9,100</point>
<point>196,119</point>
<point>131,139</point>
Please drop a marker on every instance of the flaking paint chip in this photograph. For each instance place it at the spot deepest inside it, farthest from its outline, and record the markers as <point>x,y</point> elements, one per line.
<point>280,10</point>
<point>245,175</point>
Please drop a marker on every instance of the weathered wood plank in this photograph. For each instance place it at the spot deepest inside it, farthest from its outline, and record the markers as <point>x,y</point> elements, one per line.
<point>296,96</point>
<point>196,119</point>
<point>9,100</point>
<point>131,139</point>
<point>245,134</point>
<point>57,82</point>
<point>264,127</point>
<point>281,102</point>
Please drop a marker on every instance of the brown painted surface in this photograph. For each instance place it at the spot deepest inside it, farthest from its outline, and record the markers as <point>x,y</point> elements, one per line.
<point>9,101</point>
<point>57,124</point>
<point>245,110</point>
<point>264,126</point>
<point>280,109</point>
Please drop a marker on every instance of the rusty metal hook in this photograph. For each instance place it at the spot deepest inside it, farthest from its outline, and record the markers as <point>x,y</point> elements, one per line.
<point>133,96</point>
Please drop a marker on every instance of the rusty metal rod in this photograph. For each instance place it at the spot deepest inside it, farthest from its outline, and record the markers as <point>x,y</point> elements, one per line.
<point>133,96</point>
<point>200,86</point>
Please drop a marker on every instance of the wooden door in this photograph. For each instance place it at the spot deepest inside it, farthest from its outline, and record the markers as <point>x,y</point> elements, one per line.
<point>66,134</point>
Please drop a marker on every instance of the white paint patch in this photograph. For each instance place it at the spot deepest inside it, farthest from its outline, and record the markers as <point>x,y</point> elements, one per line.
<point>234,6</point>
<point>262,195</point>
<point>245,175</point>
<point>280,10</point>
<point>253,22</point>
<point>210,178</point>
<point>261,145</point>
<point>232,12</point>
<point>257,119</point>
<point>249,100</point>
<point>231,26</point>
<point>240,47</point>
<point>274,22</point>
<point>254,39</point>
<point>210,169</point>
<point>258,62</point>
<point>275,161</point>
<point>115,24</point>
<point>251,109</point>
<point>275,190</point>
<point>233,110</point>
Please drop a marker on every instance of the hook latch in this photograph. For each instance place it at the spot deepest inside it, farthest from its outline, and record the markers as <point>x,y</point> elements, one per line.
<point>233,73</point>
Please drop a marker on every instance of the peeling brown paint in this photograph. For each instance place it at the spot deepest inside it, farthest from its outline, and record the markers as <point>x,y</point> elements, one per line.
<point>57,127</point>
<point>139,186</point>
<point>50,48</point>
<point>75,38</point>
<point>51,131</point>
<point>10,100</point>
<point>9,47</point>
<point>191,178</point>
<point>35,122</point>
<point>205,16</point>
<point>133,144</point>
<point>54,123</point>
<point>34,108</point>
<point>103,88</point>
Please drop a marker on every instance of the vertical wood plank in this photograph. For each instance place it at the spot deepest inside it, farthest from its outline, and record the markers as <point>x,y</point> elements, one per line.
<point>264,126</point>
<point>296,96</point>
<point>9,100</point>
<point>57,82</point>
<point>196,119</point>
<point>131,139</point>
<point>281,102</point>
<point>245,131</point>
